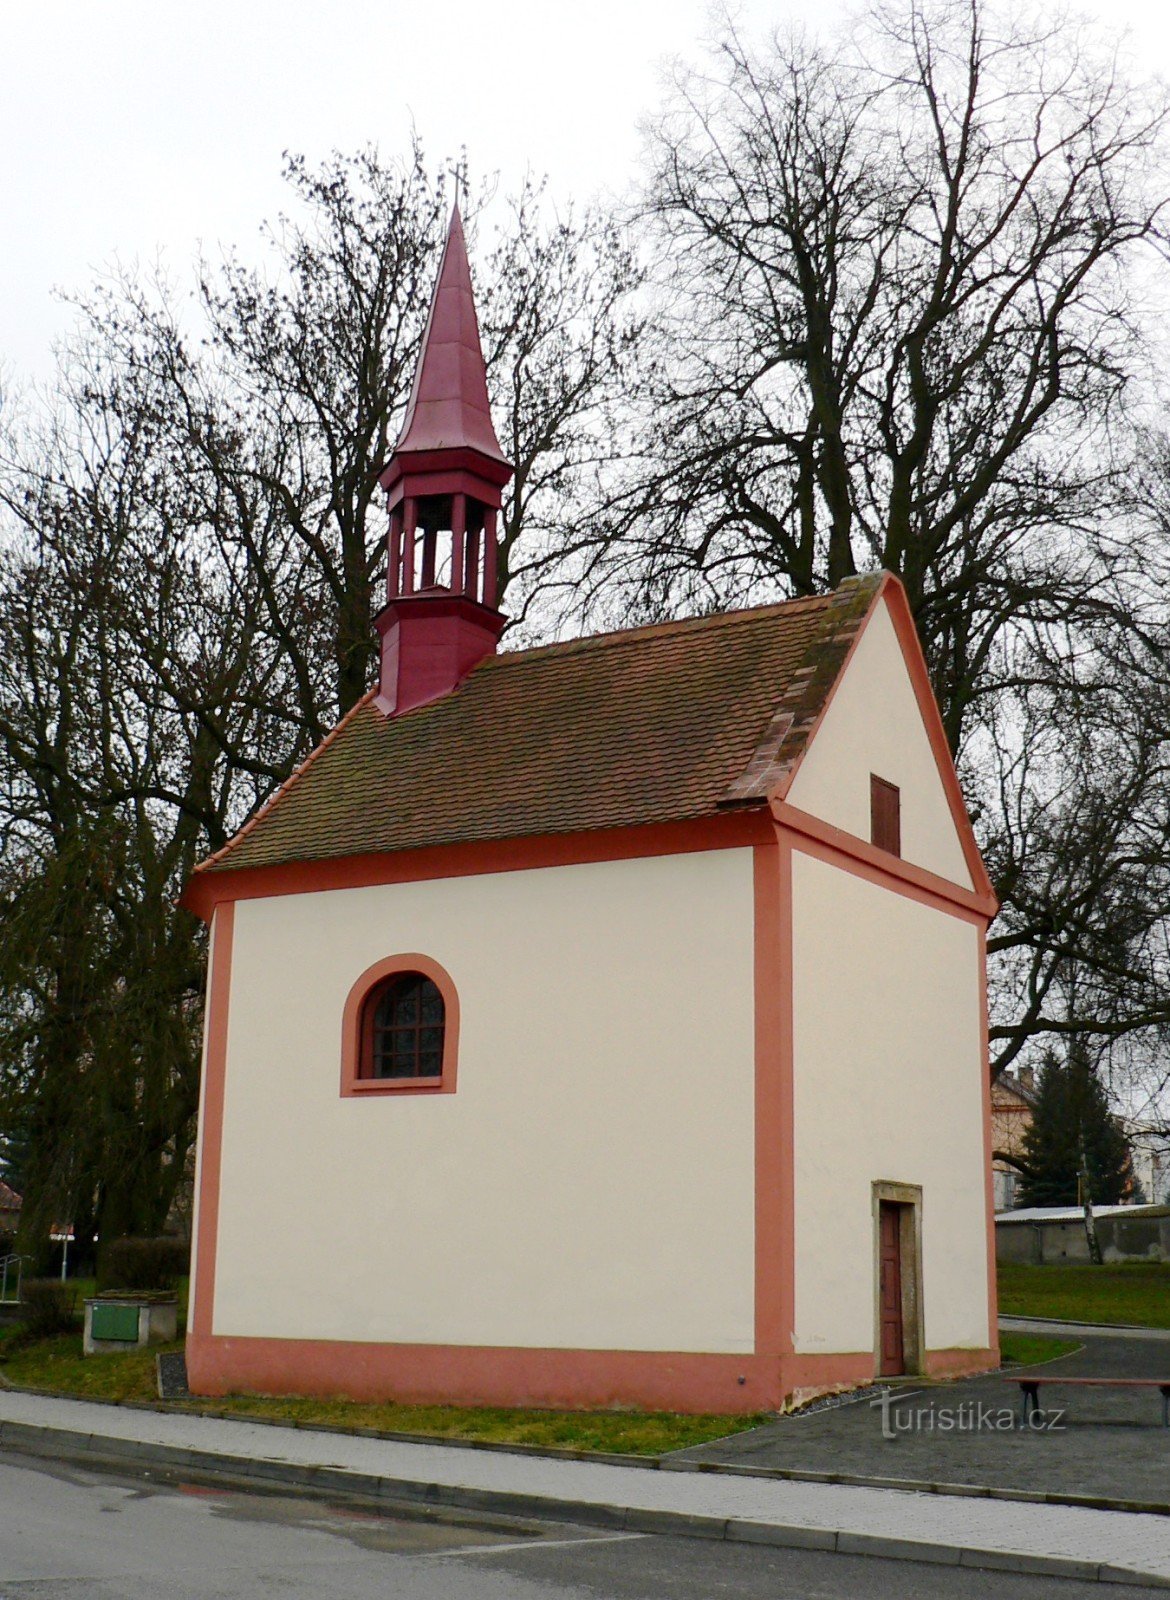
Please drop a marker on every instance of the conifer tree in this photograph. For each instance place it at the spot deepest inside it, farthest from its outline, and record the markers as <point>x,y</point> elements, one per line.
<point>1073,1132</point>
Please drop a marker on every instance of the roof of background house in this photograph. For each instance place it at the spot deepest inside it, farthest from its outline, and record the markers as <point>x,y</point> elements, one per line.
<point>1009,1086</point>
<point>651,725</point>
<point>9,1199</point>
<point>1077,1213</point>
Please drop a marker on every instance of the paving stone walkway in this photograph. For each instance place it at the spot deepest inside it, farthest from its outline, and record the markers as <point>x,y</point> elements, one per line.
<point>1110,1443</point>
<point>1083,1542</point>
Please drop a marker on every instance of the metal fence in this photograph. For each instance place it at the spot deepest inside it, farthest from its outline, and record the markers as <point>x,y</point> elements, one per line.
<point>10,1271</point>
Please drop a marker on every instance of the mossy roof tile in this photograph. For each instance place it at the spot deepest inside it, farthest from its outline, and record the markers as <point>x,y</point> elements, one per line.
<point>651,725</point>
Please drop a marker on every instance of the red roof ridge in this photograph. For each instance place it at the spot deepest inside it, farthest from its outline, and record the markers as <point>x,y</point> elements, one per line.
<point>649,630</point>
<point>297,772</point>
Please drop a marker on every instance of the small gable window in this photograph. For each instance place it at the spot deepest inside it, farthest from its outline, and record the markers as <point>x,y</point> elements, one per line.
<point>885,815</point>
<point>400,1029</point>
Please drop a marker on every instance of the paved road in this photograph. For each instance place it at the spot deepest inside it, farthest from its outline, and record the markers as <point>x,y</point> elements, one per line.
<point>458,1475</point>
<point>68,1534</point>
<point>1108,1442</point>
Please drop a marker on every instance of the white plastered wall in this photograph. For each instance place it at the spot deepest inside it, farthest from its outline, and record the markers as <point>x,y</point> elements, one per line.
<point>888,1086</point>
<point>590,1182</point>
<point>211,945</point>
<point>874,725</point>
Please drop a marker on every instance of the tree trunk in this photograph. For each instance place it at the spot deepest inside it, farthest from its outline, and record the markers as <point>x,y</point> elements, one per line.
<point>1087,1203</point>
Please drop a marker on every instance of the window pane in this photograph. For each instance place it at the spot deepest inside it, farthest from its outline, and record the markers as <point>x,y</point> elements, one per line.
<point>407,1028</point>
<point>405,1002</point>
<point>402,1062</point>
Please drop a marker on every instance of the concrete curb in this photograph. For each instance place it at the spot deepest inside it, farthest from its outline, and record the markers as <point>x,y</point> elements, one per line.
<point>414,1495</point>
<point>179,1408</point>
<point>970,1491</point>
<point>665,1463</point>
<point>1009,1324</point>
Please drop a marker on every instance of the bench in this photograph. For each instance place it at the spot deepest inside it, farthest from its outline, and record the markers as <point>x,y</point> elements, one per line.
<point>1030,1391</point>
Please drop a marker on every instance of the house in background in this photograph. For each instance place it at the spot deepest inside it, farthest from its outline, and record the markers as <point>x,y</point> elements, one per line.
<point>1149,1144</point>
<point>1013,1101</point>
<point>1013,1095</point>
<point>1041,1235</point>
<point>10,1204</point>
<point>626,996</point>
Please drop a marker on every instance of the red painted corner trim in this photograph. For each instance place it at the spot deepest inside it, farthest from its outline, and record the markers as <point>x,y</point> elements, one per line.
<point>988,1148</point>
<point>893,593</point>
<point>775,1227</point>
<point>719,831</point>
<point>351,1025</point>
<point>907,632</point>
<point>865,860</point>
<point>825,843</point>
<point>211,1126</point>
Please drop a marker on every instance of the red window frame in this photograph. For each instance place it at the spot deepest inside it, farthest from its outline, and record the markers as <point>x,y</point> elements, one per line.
<point>408,1038</point>
<point>357,1054</point>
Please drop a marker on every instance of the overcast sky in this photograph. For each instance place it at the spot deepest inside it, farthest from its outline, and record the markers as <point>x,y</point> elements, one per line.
<point>130,128</point>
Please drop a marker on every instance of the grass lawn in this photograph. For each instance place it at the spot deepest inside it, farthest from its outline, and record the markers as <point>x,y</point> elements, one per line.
<point>1137,1292</point>
<point>1029,1349</point>
<point>59,1364</point>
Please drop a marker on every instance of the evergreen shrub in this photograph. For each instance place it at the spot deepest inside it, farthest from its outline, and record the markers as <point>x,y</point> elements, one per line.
<point>146,1264</point>
<point>48,1307</point>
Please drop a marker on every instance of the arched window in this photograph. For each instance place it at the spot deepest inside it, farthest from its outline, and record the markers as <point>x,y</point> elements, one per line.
<point>400,1029</point>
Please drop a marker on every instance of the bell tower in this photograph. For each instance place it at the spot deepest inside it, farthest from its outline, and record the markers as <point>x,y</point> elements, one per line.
<point>444,484</point>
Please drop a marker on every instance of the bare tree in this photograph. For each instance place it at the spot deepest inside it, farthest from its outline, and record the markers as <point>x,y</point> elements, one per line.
<point>195,542</point>
<point>126,653</point>
<point>1069,768</point>
<point>895,322</point>
<point>291,402</point>
<point>561,341</point>
<point>897,319</point>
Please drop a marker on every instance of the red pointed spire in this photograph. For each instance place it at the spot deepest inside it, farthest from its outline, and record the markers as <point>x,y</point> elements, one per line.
<point>444,486</point>
<point>448,407</point>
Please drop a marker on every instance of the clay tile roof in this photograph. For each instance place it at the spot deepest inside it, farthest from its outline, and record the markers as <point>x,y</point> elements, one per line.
<point>651,725</point>
<point>9,1199</point>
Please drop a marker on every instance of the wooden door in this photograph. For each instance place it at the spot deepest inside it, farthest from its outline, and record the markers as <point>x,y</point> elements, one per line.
<point>893,1357</point>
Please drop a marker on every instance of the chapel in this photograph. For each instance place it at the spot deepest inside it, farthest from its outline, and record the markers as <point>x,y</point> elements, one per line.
<point>602,1023</point>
